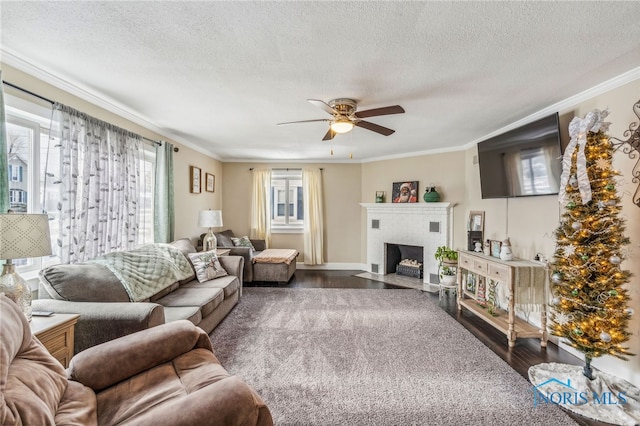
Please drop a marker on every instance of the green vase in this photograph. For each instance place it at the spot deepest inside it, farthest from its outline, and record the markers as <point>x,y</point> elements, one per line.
<point>431,195</point>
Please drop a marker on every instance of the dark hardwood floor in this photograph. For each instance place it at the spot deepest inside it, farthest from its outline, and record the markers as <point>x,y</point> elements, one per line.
<point>527,352</point>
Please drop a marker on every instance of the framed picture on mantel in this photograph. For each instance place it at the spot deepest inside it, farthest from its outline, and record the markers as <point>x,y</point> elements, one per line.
<point>405,192</point>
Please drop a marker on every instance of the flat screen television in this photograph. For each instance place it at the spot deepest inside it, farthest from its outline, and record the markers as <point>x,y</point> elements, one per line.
<point>522,162</point>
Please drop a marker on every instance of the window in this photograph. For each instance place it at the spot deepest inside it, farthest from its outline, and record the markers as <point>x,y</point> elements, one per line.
<point>27,150</point>
<point>17,198</point>
<point>535,173</point>
<point>15,172</point>
<point>26,143</point>
<point>287,213</point>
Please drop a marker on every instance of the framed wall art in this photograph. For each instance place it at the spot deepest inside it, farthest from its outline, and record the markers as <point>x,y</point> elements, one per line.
<point>405,192</point>
<point>194,179</point>
<point>210,182</point>
<point>476,221</point>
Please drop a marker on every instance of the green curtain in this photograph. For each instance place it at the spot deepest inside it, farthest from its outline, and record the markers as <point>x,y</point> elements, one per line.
<point>4,164</point>
<point>163,209</point>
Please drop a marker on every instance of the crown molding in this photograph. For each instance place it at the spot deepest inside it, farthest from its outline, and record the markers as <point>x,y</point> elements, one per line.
<point>96,98</point>
<point>599,89</point>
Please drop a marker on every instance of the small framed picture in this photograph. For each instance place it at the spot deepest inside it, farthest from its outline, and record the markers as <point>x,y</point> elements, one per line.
<point>405,192</point>
<point>379,196</point>
<point>496,245</point>
<point>210,185</point>
<point>194,179</point>
<point>476,221</point>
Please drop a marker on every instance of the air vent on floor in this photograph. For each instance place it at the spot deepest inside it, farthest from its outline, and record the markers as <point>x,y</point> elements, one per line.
<point>374,268</point>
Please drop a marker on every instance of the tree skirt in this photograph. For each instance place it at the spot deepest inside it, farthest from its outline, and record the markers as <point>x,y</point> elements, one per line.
<point>606,398</point>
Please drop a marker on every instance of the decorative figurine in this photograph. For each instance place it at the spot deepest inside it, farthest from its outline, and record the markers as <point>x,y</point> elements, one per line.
<point>478,248</point>
<point>487,248</point>
<point>505,250</point>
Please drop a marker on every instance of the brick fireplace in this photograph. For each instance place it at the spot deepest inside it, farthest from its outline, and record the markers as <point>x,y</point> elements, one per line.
<point>423,225</point>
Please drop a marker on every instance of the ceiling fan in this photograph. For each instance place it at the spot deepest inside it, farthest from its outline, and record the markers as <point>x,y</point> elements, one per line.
<point>345,116</point>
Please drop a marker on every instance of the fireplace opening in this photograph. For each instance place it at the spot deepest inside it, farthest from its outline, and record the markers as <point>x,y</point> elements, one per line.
<point>404,260</point>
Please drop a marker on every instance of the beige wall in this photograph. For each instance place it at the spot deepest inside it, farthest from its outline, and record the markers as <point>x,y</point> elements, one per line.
<point>530,222</point>
<point>446,171</point>
<point>341,183</point>
<point>187,205</point>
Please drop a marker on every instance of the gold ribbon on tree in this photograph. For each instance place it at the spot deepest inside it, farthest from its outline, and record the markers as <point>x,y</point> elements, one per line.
<point>578,129</point>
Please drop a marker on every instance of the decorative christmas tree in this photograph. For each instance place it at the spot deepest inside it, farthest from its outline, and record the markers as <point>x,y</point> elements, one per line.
<point>590,303</point>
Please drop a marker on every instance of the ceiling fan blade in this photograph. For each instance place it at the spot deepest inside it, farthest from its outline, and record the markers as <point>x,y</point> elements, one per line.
<point>375,128</point>
<point>394,109</point>
<point>329,135</point>
<point>303,121</point>
<point>323,105</point>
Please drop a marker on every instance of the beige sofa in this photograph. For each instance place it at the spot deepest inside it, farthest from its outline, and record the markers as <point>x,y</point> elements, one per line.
<point>105,308</point>
<point>167,375</point>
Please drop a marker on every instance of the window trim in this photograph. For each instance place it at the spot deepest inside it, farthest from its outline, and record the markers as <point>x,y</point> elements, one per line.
<point>285,175</point>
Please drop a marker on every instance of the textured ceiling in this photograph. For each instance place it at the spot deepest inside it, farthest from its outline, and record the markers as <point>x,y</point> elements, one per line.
<point>220,75</point>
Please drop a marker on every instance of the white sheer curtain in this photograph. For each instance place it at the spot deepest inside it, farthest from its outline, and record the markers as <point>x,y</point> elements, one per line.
<point>260,206</point>
<point>98,187</point>
<point>313,217</point>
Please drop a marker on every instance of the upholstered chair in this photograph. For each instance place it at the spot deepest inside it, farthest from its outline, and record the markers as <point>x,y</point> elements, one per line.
<point>166,375</point>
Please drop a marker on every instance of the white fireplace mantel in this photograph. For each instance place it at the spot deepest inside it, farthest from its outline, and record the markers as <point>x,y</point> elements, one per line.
<point>409,224</point>
<point>406,207</point>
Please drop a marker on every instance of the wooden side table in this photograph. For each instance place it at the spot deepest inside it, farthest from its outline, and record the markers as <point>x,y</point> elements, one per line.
<point>56,333</point>
<point>222,251</point>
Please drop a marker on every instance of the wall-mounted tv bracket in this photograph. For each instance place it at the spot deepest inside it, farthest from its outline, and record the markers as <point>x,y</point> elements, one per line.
<point>631,147</point>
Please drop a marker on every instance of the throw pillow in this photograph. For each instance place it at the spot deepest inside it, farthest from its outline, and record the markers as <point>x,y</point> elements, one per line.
<point>242,242</point>
<point>207,265</point>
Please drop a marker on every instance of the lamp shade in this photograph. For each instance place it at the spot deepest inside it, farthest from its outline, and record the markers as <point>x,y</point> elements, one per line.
<point>24,235</point>
<point>210,219</point>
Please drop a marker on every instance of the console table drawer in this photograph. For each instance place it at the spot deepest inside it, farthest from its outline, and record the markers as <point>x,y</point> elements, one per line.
<point>499,272</point>
<point>479,266</point>
<point>465,262</point>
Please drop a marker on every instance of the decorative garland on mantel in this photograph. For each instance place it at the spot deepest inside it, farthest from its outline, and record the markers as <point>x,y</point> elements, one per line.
<point>631,146</point>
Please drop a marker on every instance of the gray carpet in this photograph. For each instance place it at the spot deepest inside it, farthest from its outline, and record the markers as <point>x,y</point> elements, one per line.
<point>370,357</point>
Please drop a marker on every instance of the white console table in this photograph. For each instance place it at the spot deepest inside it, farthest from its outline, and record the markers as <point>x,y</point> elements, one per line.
<point>526,284</point>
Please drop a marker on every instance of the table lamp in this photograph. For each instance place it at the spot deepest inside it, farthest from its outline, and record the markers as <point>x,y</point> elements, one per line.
<point>21,236</point>
<point>210,219</point>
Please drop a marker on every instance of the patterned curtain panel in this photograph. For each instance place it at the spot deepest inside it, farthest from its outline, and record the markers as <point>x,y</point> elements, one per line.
<point>260,205</point>
<point>98,188</point>
<point>313,221</point>
<point>164,218</point>
<point>4,165</point>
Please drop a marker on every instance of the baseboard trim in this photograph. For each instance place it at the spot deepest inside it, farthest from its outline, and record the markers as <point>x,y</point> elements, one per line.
<point>334,266</point>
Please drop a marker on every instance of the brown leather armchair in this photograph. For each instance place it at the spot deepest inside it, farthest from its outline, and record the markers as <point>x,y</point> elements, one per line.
<point>165,375</point>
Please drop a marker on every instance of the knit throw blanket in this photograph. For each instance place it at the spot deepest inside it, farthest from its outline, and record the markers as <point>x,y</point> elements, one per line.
<point>146,270</point>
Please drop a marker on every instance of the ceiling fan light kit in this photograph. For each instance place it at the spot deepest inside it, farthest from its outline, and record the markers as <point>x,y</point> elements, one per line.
<point>342,125</point>
<point>346,116</point>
